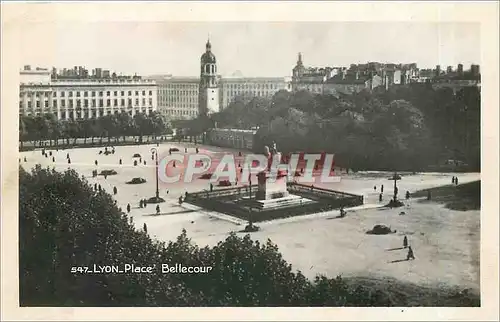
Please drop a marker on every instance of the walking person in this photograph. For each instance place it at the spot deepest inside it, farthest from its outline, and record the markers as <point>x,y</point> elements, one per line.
<point>407,195</point>
<point>99,187</point>
<point>405,242</point>
<point>410,254</point>
<point>380,197</point>
<point>128,208</point>
<point>157,209</point>
<point>382,188</point>
<point>115,191</point>
<point>145,228</point>
<point>453,180</point>
<point>456,181</point>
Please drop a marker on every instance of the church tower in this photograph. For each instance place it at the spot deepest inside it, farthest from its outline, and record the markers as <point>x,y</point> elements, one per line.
<point>209,88</point>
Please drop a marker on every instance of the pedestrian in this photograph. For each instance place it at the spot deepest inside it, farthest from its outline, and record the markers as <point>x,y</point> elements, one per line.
<point>25,159</point>
<point>95,186</point>
<point>410,254</point>
<point>99,187</point>
<point>173,164</point>
<point>96,162</point>
<point>157,209</point>
<point>456,181</point>
<point>144,162</point>
<point>167,192</point>
<point>128,208</point>
<point>453,180</point>
<point>50,153</point>
<point>141,203</point>
<point>407,195</point>
<point>120,161</point>
<point>405,242</point>
<point>211,187</point>
<point>197,150</point>
<point>145,228</point>
<point>375,188</point>
<point>382,188</point>
<point>380,197</point>
<point>53,159</point>
<point>69,161</point>
<point>115,191</point>
<point>67,156</point>
<point>241,170</point>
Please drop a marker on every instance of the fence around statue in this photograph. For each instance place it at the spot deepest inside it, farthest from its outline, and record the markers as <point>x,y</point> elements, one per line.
<point>235,201</point>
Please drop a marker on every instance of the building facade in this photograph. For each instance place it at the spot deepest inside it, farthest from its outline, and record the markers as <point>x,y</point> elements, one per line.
<point>232,138</point>
<point>249,87</point>
<point>84,98</point>
<point>178,96</point>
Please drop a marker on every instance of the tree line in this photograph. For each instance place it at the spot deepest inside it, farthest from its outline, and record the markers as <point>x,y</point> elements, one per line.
<point>64,223</point>
<point>404,128</point>
<point>47,127</point>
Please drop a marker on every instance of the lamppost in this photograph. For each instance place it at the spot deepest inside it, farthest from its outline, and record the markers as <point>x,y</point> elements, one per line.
<point>395,177</point>
<point>155,151</point>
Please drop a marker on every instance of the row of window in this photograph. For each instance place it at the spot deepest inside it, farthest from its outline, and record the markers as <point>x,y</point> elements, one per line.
<point>178,92</point>
<point>92,93</point>
<point>86,102</point>
<point>252,86</point>
<point>178,112</point>
<point>87,115</point>
<point>180,86</point>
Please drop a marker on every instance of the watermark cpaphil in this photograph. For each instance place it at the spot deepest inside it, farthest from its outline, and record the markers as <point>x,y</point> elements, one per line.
<point>299,167</point>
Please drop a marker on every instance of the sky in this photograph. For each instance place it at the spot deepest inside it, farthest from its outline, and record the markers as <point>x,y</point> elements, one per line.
<point>253,48</point>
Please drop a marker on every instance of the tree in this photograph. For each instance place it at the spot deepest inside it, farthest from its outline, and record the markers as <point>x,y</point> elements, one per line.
<point>64,224</point>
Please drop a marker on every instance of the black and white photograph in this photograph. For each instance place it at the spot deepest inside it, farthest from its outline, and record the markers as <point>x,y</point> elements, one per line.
<point>249,162</point>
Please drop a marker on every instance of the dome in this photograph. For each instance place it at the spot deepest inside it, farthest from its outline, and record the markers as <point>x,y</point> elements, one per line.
<point>208,58</point>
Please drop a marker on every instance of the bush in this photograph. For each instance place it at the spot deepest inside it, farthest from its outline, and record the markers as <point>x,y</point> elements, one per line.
<point>63,223</point>
<point>108,172</point>
<point>136,181</point>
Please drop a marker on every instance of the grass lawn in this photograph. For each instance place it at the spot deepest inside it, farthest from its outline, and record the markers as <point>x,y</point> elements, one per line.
<point>462,197</point>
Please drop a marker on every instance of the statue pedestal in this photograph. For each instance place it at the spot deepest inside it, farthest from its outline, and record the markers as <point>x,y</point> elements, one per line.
<point>271,189</point>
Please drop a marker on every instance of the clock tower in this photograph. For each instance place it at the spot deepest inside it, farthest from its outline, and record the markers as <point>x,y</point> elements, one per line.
<point>209,83</point>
